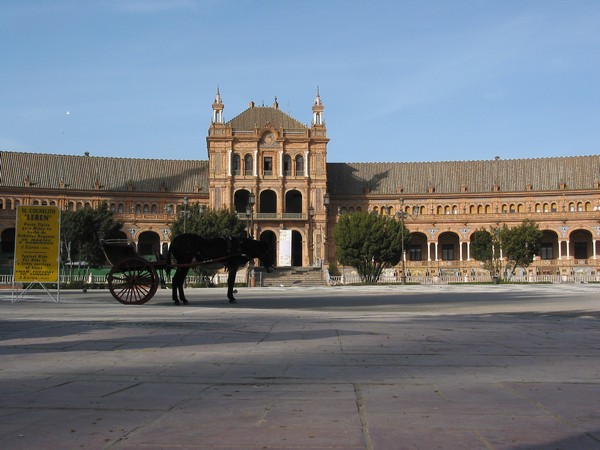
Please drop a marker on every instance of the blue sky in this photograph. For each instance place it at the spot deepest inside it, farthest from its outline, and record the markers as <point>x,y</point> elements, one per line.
<point>400,80</point>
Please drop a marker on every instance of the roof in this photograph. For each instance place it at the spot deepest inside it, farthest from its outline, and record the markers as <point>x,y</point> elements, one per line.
<point>109,174</point>
<point>511,175</point>
<point>259,116</point>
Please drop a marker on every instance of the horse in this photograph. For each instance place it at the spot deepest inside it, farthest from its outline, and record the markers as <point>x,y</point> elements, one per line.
<point>191,249</point>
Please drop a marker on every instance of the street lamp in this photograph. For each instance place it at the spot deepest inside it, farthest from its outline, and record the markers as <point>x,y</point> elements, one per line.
<point>403,215</point>
<point>326,204</point>
<point>185,212</point>
<point>311,217</point>
<point>250,214</point>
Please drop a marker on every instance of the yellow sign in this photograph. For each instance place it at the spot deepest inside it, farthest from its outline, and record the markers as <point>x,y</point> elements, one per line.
<point>37,244</point>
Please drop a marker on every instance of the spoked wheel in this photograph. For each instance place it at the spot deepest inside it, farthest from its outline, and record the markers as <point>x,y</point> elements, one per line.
<point>132,281</point>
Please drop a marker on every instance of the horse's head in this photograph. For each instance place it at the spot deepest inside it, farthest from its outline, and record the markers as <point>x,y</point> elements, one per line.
<point>260,250</point>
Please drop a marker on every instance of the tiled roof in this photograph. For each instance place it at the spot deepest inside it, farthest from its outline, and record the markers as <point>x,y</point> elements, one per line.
<point>511,175</point>
<point>112,174</point>
<point>259,116</point>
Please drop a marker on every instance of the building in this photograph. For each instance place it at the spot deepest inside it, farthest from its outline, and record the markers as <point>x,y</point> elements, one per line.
<point>273,170</point>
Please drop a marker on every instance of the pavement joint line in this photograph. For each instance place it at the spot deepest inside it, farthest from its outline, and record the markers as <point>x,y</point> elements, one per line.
<point>362,413</point>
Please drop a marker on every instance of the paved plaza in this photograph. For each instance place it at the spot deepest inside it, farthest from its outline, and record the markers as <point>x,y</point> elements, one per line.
<point>387,367</point>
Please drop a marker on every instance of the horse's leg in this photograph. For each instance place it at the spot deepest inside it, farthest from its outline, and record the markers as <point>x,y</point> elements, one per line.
<point>175,285</point>
<point>232,268</point>
<point>184,272</point>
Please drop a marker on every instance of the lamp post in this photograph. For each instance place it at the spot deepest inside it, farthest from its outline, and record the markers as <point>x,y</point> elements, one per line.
<point>403,215</point>
<point>250,215</point>
<point>311,216</point>
<point>185,212</point>
<point>326,204</point>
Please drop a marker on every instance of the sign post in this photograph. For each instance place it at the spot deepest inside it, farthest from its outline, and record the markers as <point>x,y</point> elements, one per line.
<point>37,247</point>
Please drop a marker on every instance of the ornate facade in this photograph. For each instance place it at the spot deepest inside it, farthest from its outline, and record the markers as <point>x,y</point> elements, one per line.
<point>273,170</point>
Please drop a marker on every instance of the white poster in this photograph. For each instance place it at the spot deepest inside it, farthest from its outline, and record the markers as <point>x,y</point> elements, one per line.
<point>285,248</point>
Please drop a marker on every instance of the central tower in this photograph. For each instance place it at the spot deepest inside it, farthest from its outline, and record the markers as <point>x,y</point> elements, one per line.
<point>272,170</point>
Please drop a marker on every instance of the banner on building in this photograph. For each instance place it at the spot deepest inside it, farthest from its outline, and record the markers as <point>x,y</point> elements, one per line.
<point>37,243</point>
<point>285,248</point>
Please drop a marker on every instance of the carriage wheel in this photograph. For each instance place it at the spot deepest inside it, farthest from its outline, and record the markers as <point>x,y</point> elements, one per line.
<point>132,281</point>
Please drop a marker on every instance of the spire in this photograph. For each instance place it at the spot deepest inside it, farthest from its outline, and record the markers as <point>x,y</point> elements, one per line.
<point>318,98</point>
<point>318,110</point>
<point>217,107</point>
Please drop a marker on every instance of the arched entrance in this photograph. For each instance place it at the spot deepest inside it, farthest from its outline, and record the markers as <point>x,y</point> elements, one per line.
<point>296,248</point>
<point>293,202</point>
<point>149,244</point>
<point>271,239</point>
<point>241,201</point>
<point>549,245</point>
<point>448,243</point>
<point>268,202</point>
<point>581,244</point>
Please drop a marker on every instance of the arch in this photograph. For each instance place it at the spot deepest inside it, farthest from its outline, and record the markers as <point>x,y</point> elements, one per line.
<point>549,245</point>
<point>268,202</point>
<point>588,206</point>
<point>580,243</point>
<point>448,243</point>
<point>148,244</point>
<point>119,235</point>
<point>270,238</point>
<point>7,242</point>
<point>417,247</point>
<point>241,201</point>
<point>146,208</point>
<point>293,201</point>
<point>520,208</point>
<point>138,208</point>
<point>488,209</point>
<point>538,207</point>
<point>121,208</point>
<point>296,248</point>
<point>154,208</point>
<point>440,210</point>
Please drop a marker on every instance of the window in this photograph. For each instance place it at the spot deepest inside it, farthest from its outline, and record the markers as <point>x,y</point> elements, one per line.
<point>287,165</point>
<point>299,166</point>
<point>237,165</point>
<point>415,253</point>
<point>580,250</point>
<point>248,165</point>
<point>447,252</point>
<point>268,165</point>
<point>546,251</point>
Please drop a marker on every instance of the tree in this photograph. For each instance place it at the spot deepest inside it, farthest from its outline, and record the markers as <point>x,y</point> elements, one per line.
<point>485,247</point>
<point>82,230</point>
<point>208,222</point>
<point>369,243</point>
<point>520,244</point>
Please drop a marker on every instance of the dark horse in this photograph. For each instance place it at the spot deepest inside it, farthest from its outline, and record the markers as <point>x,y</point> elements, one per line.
<point>190,250</point>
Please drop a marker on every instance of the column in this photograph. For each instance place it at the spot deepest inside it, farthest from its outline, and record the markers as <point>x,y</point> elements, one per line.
<point>428,251</point>
<point>568,255</point>
<point>594,248</point>
<point>460,255</point>
<point>436,251</point>
<point>559,249</point>
<point>468,250</point>
<point>255,168</point>
<point>229,162</point>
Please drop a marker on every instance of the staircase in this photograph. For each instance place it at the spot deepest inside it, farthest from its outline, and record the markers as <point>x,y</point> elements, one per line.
<point>294,276</point>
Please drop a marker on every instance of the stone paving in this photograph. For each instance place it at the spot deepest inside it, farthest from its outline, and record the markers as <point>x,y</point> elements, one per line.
<point>391,367</point>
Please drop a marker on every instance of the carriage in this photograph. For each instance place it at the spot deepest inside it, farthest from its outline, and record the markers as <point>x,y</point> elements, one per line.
<point>133,280</point>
